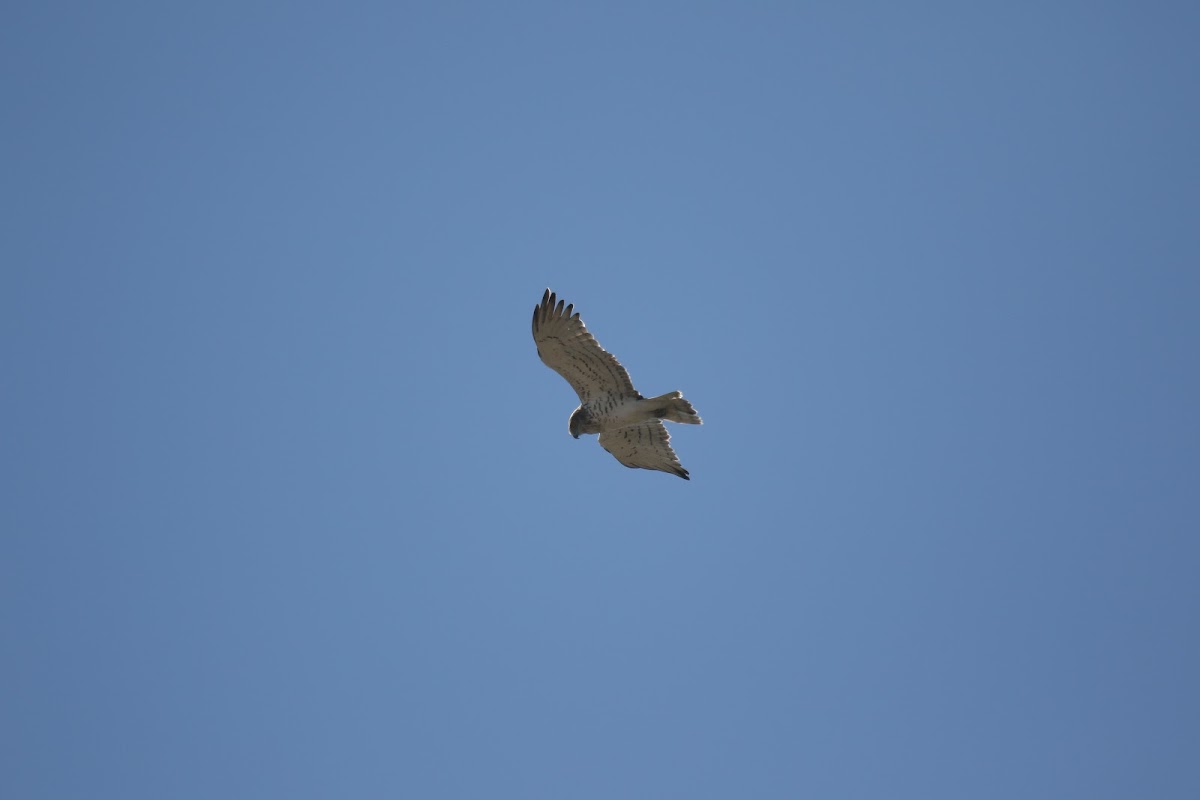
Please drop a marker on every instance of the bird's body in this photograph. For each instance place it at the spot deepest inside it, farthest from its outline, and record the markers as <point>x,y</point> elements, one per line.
<point>630,425</point>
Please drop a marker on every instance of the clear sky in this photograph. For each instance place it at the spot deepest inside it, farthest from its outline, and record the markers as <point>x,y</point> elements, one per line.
<point>289,504</point>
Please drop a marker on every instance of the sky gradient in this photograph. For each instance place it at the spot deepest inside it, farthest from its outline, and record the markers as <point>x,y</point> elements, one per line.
<point>290,505</point>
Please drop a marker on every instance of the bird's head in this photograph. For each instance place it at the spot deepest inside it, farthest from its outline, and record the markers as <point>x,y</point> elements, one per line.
<point>579,418</point>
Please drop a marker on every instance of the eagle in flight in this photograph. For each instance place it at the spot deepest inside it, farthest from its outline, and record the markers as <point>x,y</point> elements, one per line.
<point>630,426</point>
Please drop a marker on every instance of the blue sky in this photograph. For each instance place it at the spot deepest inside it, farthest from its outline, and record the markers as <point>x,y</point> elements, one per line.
<point>291,509</point>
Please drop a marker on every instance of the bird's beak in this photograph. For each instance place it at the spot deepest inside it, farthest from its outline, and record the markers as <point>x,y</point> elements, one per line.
<point>576,435</point>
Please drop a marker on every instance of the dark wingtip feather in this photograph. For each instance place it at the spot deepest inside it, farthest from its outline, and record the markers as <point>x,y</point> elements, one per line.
<point>683,473</point>
<point>539,311</point>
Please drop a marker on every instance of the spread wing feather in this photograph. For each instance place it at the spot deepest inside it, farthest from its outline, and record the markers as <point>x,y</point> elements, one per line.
<point>565,346</point>
<point>644,446</point>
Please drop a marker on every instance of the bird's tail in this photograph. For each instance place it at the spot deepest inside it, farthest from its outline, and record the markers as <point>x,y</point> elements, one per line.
<point>672,406</point>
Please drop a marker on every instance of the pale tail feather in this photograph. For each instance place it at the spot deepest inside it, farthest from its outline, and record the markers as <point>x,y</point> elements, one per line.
<point>675,408</point>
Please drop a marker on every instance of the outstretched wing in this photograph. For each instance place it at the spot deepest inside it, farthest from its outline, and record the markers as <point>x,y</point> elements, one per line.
<point>565,346</point>
<point>645,446</point>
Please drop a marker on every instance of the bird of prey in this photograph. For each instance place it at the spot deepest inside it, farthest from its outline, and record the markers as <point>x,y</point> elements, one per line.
<point>630,426</point>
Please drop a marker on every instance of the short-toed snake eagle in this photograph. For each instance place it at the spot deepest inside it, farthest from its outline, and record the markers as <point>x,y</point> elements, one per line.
<point>630,426</point>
